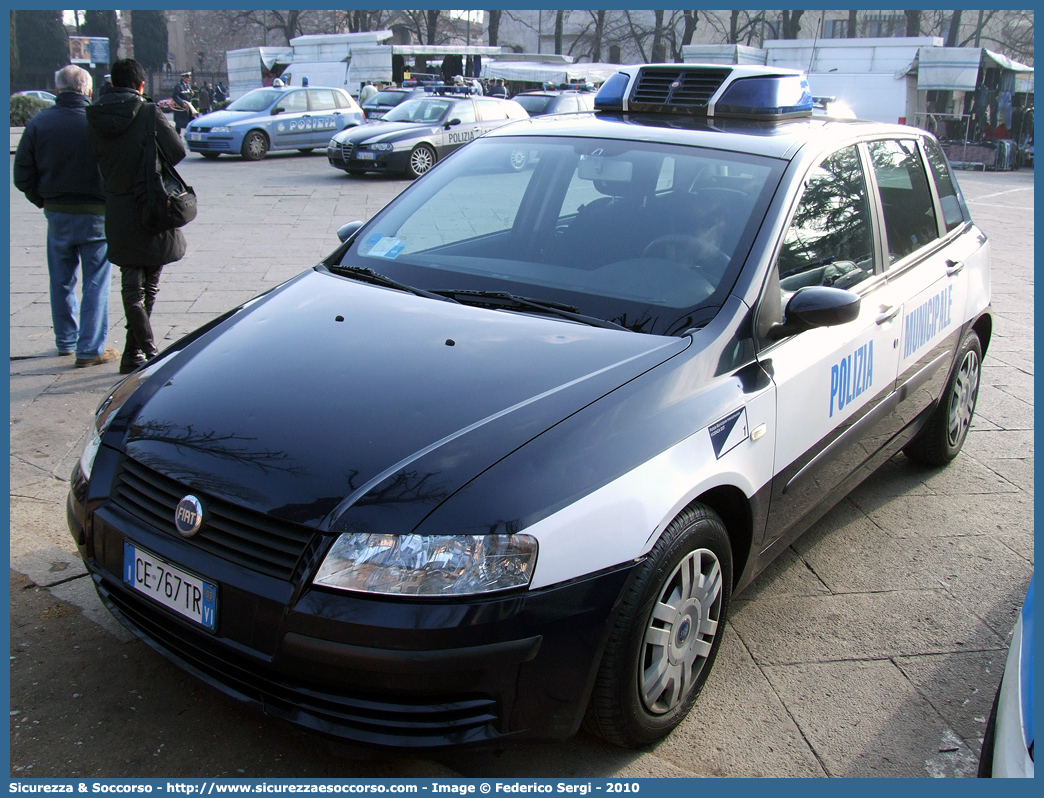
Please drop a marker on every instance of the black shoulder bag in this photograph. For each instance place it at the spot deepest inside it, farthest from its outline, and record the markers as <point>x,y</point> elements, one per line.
<point>167,201</point>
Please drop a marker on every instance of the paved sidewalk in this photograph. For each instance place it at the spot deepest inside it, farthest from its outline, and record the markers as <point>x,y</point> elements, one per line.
<point>872,647</point>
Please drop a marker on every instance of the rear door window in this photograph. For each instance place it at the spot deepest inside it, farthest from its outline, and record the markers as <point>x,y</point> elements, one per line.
<point>909,214</point>
<point>949,196</point>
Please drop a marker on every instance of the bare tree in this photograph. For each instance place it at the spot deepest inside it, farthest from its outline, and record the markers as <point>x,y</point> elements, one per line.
<point>493,28</point>
<point>953,34</point>
<point>913,23</point>
<point>853,23</point>
<point>791,24</point>
<point>559,26</point>
<point>658,55</point>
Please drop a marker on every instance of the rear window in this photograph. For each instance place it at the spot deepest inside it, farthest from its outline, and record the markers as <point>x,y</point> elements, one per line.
<point>535,104</point>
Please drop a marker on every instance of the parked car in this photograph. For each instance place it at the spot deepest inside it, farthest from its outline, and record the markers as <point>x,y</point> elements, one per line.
<point>556,101</point>
<point>274,119</point>
<point>499,464</point>
<point>383,101</point>
<point>1007,747</point>
<point>46,96</point>
<point>418,133</point>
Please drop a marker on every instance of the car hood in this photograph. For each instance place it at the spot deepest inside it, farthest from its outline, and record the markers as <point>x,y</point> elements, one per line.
<point>329,393</point>
<point>215,118</point>
<point>385,131</point>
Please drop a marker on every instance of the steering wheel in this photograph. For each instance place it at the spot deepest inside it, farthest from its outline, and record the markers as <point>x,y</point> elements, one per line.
<point>688,251</point>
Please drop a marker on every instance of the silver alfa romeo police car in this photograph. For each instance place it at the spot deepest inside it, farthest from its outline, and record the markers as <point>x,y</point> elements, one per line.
<point>498,465</point>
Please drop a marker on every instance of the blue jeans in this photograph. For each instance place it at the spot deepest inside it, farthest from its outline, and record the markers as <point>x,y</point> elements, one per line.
<point>78,239</point>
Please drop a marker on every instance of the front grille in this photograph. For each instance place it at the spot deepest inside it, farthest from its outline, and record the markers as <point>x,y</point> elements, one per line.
<point>247,538</point>
<point>357,716</point>
<point>694,90</point>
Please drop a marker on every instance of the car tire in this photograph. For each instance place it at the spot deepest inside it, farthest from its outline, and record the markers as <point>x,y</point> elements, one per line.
<point>518,158</point>
<point>210,156</point>
<point>944,434</point>
<point>255,146</point>
<point>989,737</point>
<point>666,633</point>
<point>422,158</point>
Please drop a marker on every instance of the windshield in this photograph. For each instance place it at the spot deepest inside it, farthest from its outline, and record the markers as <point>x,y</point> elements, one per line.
<point>424,109</point>
<point>256,100</point>
<point>535,104</point>
<point>385,99</point>
<point>647,236</point>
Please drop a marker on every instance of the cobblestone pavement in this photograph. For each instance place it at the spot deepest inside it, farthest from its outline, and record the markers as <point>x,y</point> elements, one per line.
<point>872,647</point>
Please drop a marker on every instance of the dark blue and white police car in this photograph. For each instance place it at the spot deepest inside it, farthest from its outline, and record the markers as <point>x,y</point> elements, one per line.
<point>416,134</point>
<point>274,118</point>
<point>500,462</point>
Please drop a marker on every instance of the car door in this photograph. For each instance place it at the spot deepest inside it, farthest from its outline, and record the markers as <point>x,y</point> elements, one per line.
<point>460,134</point>
<point>925,264</point>
<point>833,385</point>
<point>290,127</point>
<point>325,118</point>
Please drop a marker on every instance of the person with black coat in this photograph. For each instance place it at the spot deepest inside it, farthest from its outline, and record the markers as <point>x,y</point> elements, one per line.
<point>117,134</point>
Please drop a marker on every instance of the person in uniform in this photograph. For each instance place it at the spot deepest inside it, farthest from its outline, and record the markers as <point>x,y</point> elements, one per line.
<point>182,99</point>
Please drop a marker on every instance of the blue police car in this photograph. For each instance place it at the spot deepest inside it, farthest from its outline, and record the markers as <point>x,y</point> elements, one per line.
<point>274,119</point>
<point>497,466</point>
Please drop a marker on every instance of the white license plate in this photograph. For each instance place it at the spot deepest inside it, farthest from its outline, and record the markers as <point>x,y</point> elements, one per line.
<point>366,156</point>
<point>195,137</point>
<point>185,593</point>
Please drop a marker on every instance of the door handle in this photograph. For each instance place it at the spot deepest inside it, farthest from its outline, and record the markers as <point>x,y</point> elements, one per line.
<point>888,312</point>
<point>953,267</point>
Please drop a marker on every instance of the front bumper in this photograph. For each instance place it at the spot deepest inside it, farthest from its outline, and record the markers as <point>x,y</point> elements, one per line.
<point>212,142</point>
<point>346,157</point>
<point>374,671</point>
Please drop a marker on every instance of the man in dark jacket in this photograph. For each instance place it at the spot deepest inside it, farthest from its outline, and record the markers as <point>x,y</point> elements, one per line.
<point>57,171</point>
<point>182,99</point>
<point>117,136</point>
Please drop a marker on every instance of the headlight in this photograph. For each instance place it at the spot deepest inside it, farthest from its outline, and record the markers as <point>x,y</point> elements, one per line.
<point>107,412</point>
<point>436,565</point>
<point>381,146</point>
<point>221,129</point>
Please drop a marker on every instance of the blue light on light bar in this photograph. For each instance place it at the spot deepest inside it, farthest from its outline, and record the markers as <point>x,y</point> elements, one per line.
<point>766,97</point>
<point>610,97</point>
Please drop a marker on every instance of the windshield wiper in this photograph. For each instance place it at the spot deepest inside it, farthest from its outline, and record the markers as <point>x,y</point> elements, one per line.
<point>502,300</point>
<point>368,275</point>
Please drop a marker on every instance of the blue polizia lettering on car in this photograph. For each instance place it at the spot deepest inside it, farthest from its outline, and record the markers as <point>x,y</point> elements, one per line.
<point>562,399</point>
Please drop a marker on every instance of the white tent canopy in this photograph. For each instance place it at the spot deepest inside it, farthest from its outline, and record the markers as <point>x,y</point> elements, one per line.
<point>538,72</point>
<point>957,68</point>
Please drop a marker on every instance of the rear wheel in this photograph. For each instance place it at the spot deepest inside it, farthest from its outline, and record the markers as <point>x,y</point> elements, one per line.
<point>255,146</point>
<point>422,158</point>
<point>942,437</point>
<point>666,634</point>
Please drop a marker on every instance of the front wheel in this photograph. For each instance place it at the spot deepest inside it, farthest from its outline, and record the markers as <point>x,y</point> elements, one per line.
<point>942,437</point>
<point>422,158</point>
<point>666,633</point>
<point>255,146</point>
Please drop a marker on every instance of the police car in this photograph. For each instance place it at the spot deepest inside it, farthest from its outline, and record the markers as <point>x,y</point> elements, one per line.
<point>501,461</point>
<point>274,119</point>
<point>561,98</point>
<point>383,101</point>
<point>416,134</point>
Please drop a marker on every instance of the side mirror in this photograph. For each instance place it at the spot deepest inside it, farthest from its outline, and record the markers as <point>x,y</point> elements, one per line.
<point>452,122</point>
<point>817,306</point>
<point>346,231</point>
<point>278,110</point>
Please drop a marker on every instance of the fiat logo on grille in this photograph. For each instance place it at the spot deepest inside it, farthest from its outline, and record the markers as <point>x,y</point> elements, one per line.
<point>188,516</point>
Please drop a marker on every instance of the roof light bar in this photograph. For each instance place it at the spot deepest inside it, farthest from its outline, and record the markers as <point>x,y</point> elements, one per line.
<point>707,90</point>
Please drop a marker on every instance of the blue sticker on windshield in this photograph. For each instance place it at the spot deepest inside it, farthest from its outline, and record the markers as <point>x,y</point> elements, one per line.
<point>381,246</point>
